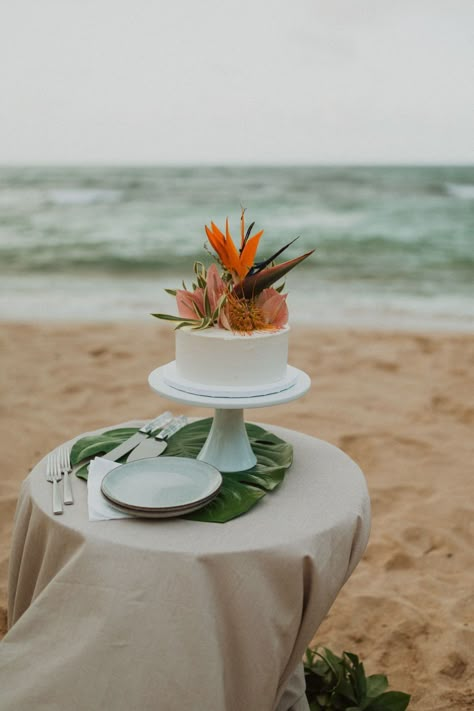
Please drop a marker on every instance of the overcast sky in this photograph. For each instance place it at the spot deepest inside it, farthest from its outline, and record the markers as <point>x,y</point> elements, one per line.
<point>215,81</point>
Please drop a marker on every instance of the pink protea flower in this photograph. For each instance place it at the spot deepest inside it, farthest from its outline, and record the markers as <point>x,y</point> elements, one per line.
<point>215,286</point>
<point>188,302</point>
<point>201,304</point>
<point>273,307</point>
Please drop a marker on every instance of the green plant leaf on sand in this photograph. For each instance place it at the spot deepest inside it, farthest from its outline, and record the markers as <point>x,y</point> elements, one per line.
<point>339,684</point>
<point>376,685</point>
<point>240,490</point>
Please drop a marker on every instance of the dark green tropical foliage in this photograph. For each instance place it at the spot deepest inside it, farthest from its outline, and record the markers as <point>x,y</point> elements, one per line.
<point>339,684</point>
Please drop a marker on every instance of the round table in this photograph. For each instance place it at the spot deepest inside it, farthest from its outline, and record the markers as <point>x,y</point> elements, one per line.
<point>179,615</point>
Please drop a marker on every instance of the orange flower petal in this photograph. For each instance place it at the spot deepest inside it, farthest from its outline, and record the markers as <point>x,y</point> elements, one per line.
<point>232,253</point>
<point>217,231</point>
<point>250,250</point>
<point>217,246</point>
<point>224,246</point>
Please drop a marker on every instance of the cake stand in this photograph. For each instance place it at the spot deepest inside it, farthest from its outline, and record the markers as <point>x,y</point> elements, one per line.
<point>227,446</point>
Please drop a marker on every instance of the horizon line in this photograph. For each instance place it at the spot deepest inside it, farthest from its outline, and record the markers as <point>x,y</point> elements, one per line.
<point>238,164</point>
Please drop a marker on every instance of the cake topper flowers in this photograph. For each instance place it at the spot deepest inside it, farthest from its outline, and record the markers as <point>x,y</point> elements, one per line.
<point>240,298</point>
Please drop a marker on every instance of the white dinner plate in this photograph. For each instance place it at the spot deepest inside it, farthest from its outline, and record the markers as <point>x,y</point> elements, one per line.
<point>161,513</point>
<point>163,509</point>
<point>162,485</point>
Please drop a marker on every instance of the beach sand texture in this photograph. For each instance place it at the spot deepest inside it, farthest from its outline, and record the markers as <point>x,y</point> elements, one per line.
<point>400,404</point>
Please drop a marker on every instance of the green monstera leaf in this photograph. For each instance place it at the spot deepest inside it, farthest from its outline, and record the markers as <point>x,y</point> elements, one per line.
<point>240,491</point>
<point>94,445</point>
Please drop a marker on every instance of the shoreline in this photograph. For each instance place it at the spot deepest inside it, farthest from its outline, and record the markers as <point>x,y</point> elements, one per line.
<point>396,401</point>
<point>96,298</point>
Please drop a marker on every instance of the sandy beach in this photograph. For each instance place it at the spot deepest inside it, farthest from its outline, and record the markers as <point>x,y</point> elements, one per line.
<point>400,404</point>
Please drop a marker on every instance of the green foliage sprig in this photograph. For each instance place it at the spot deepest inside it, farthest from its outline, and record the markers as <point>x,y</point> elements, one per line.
<point>339,684</point>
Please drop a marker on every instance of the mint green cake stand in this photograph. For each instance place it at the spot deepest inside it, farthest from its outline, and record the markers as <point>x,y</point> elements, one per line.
<point>227,446</point>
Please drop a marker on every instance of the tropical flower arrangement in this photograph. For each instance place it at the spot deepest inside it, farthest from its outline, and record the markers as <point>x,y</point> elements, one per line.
<point>235,292</point>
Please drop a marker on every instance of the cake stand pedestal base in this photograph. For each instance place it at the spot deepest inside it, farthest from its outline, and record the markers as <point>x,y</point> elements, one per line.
<point>227,446</point>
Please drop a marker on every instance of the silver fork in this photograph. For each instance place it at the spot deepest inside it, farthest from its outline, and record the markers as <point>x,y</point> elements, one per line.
<point>53,474</point>
<point>65,464</point>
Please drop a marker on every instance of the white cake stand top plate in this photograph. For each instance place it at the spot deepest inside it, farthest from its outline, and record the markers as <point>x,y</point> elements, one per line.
<point>171,377</point>
<point>158,381</point>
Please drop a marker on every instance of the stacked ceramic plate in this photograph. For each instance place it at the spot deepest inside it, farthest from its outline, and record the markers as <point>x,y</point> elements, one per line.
<point>161,487</point>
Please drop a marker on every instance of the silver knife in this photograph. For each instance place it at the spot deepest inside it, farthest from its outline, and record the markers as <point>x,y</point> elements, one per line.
<point>153,446</point>
<point>142,434</point>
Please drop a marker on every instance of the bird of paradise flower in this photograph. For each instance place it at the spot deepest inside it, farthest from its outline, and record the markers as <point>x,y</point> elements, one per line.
<point>242,299</point>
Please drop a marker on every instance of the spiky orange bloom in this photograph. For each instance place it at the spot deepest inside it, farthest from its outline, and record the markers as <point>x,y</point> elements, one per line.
<point>237,263</point>
<point>268,312</point>
<point>242,315</point>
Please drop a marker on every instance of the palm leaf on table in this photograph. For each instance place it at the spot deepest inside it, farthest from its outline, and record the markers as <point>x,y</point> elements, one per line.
<point>240,491</point>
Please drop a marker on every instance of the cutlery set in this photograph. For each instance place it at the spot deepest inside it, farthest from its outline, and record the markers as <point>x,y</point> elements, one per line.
<point>140,436</point>
<point>58,465</point>
<point>154,446</point>
<point>142,445</point>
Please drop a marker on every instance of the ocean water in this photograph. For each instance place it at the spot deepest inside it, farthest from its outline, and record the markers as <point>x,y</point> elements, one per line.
<point>394,245</point>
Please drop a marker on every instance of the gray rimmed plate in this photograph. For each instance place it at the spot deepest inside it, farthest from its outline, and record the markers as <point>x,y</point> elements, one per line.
<point>161,486</point>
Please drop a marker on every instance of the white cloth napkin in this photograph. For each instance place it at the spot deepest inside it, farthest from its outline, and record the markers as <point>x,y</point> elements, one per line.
<point>98,506</point>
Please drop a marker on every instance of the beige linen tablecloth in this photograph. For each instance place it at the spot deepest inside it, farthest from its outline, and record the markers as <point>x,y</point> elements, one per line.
<point>176,615</point>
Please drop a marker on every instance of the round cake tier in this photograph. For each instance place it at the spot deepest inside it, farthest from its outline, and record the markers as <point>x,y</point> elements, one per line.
<point>214,357</point>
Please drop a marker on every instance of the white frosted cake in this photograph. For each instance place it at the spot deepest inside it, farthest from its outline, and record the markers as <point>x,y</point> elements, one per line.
<point>215,360</point>
<point>215,356</point>
<point>232,332</point>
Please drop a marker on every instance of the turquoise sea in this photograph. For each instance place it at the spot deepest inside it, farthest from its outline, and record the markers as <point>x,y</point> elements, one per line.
<point>394,245</point>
